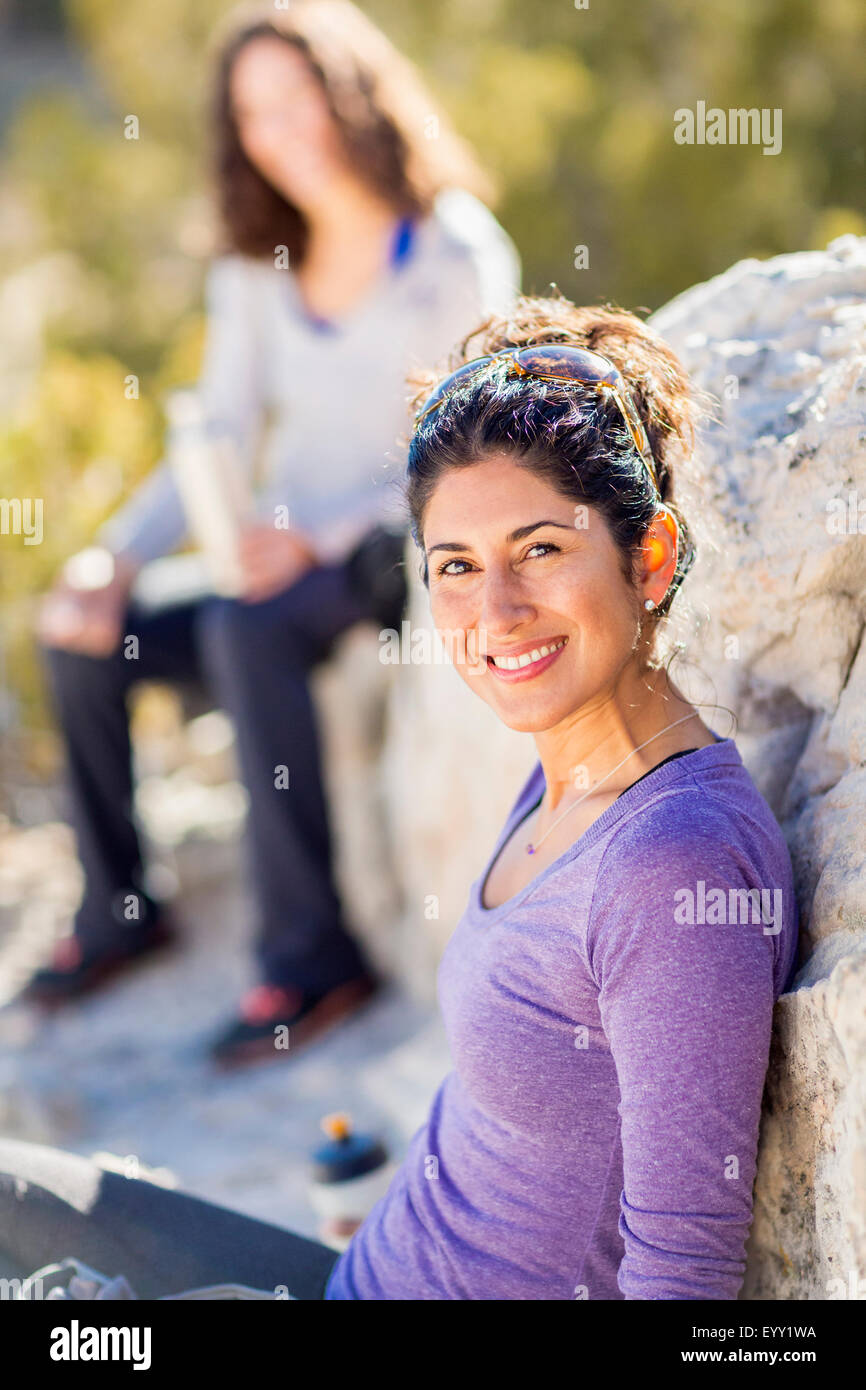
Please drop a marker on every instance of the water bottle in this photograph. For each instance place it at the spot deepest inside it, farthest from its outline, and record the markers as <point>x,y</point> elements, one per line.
<point>215,496</point>
<point>350,1172</point>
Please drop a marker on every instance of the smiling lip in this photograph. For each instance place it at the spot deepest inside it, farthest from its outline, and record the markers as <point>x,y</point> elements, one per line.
<point>531,667</point>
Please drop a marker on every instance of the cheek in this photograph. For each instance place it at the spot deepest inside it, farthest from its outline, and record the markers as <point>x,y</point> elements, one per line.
<point>315,129</point>
<point>606,638</point>
<point>440,611</point>
<point>594,593</point>
<point>260,142</point>
<point>449,607</point>
<point>598,614</point>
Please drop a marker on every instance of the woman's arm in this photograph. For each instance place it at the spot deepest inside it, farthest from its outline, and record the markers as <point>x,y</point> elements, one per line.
<point>152,521</point>
<point>687,1011</point>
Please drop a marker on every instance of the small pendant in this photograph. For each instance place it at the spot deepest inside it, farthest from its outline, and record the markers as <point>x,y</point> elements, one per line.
<point>530,849</point>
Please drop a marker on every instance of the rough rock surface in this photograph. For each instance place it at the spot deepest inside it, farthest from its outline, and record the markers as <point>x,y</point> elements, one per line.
<point>782,343</point>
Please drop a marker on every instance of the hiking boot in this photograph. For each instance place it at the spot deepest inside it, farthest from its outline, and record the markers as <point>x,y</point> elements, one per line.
<point>276,1020</point>
<point>75,971</point>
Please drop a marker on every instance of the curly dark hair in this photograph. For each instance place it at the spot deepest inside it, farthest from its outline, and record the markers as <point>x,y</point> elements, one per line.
<point>379,105</point>
<point>574,439</point>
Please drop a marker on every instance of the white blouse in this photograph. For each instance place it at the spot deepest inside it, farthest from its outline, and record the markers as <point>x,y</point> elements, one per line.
<point>318,412</point>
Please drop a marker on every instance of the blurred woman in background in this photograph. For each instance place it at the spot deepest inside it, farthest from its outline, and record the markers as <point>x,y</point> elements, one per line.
<point>354,247</point>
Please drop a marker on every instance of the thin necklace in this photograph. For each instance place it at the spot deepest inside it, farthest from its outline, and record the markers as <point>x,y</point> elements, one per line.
<point>531,848</point>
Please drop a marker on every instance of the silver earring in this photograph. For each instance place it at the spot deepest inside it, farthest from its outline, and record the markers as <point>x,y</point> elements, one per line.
<point>648,604</point>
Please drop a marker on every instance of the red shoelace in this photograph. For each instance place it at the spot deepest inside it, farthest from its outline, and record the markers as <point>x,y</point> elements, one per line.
<point>67,954</point>
<point>264,1002</point>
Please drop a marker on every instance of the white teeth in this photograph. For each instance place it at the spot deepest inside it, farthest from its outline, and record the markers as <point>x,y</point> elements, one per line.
<point>514,663</point>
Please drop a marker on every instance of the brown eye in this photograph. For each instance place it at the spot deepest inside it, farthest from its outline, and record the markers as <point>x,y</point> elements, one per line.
<point>444,568</point>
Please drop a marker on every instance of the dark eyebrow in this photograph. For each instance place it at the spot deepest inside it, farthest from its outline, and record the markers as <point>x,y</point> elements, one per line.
<point>520,534</point>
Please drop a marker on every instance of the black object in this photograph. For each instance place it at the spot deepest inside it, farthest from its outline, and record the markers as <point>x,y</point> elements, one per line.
<point>52,986</point>
<point>245,1041</point>
<point>668,759</point>
<point>348,1155</point>
<point>377,573</point>
<point>161,1239</point>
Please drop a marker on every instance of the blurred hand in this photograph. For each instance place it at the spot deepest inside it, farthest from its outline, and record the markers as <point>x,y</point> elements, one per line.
<point>84,611</point>
<point>272,560</point>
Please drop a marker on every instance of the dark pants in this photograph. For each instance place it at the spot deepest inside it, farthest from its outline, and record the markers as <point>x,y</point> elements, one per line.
<point>54,1205</point>
<point>256,660</point>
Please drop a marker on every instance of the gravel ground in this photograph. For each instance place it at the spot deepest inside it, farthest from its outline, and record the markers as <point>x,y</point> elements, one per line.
<point>126,1072</point>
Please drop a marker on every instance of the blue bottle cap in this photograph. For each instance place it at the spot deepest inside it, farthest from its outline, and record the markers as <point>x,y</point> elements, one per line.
<point>346,1155</point>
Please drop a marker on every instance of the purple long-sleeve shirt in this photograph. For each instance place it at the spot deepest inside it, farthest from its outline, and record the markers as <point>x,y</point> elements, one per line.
<point>610,1029</point>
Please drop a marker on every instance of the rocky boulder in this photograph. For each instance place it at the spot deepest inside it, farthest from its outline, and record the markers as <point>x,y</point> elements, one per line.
<point>781,598</point>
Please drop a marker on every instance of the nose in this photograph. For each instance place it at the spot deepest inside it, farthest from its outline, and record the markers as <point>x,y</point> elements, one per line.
<point>503,604</point>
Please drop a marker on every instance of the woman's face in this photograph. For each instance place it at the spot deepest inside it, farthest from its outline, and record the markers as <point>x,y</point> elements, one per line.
<point>283,121</point>
<point>517,568</point>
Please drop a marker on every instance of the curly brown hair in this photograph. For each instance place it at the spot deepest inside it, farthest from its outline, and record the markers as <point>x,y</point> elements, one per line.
<point>667,401</point>
<point>574,439</point>
<point>393,133</point>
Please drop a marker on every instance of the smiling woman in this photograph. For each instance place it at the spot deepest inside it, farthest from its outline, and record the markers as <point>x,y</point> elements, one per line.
<point>550,534</point>
<point>597,1137</point>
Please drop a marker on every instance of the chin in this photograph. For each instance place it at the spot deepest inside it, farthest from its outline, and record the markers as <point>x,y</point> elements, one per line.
<point>302,190</point>
<point>529,721</point>
<point>525,726</point>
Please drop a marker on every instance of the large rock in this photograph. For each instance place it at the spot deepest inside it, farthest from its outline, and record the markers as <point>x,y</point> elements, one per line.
<point>776,614</point>
<point>782,599</point>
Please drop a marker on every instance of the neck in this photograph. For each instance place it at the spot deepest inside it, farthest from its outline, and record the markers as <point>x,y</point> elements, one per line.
<point>587,745</point>
<point>350,211</point>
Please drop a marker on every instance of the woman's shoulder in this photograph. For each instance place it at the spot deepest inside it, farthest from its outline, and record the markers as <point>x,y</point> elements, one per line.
<point>704,805</point>
<point>700,849</point>
<point>467,259</point>
<point>466,228</point>
<point>464,218</point>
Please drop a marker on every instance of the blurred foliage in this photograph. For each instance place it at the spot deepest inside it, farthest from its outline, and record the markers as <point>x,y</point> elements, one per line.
<point>571,108</point>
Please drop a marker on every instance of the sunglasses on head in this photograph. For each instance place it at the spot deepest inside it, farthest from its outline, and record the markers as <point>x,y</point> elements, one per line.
<point>558,362</point>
